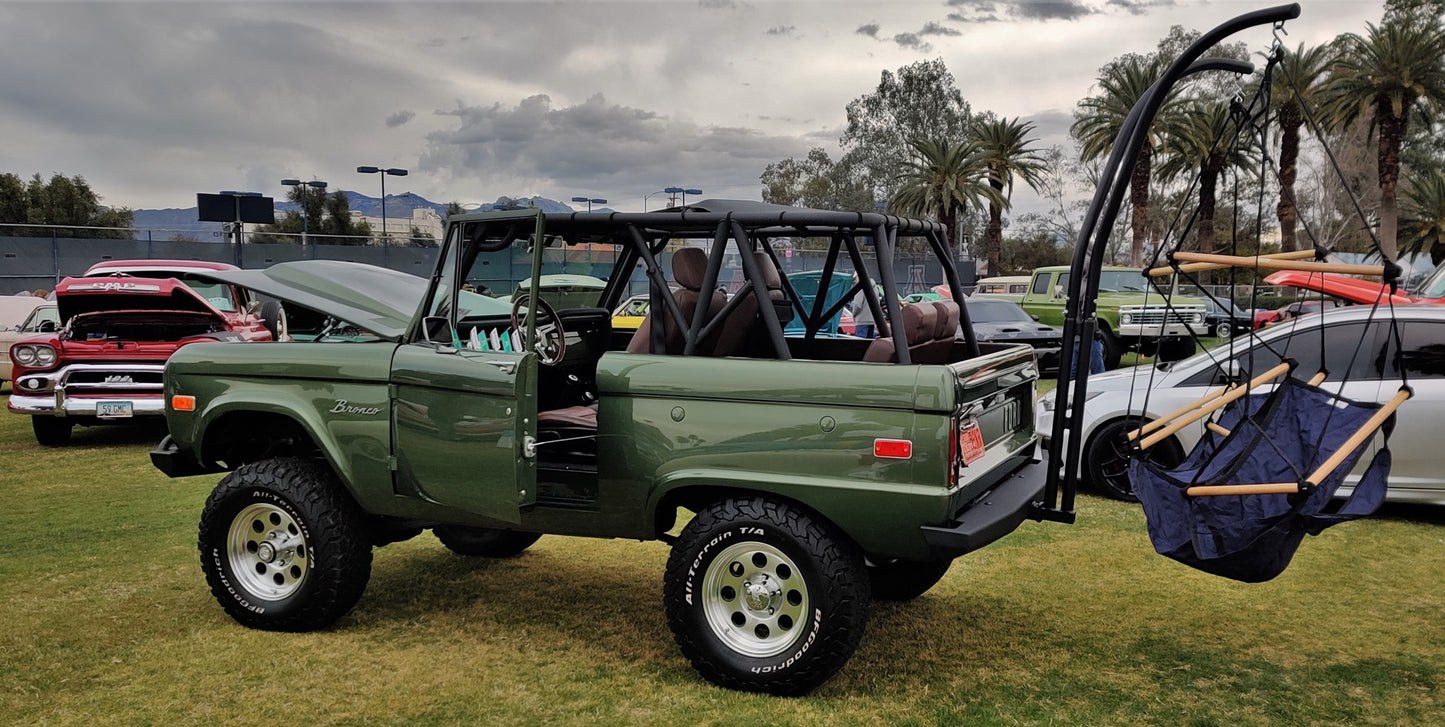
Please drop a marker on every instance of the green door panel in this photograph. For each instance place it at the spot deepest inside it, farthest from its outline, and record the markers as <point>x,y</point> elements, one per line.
<point>461,419</point>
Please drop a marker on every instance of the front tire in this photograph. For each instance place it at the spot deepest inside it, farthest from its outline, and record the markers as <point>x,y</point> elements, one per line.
<point>1106,461</point>
<point>283,546</point>
<point>484,542</point>
<point>763,596</point>
<point>905,580</point>
<point>51,431</point>
<point>1113,349</point>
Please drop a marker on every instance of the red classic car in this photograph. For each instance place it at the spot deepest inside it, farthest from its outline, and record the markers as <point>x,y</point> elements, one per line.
<point>1357,290</point>
<point>118,325</point>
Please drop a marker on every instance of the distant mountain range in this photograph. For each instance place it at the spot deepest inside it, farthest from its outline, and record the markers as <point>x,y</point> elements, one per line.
<point>397,205</point>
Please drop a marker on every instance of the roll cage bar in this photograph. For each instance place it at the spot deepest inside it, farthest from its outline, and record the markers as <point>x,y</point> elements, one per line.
<point>746,227</point>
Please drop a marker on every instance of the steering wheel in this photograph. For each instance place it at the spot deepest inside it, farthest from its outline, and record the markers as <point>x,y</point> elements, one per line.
<point>551,341</point>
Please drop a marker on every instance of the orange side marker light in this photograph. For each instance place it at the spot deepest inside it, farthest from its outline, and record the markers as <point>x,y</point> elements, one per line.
<point>180,402</point>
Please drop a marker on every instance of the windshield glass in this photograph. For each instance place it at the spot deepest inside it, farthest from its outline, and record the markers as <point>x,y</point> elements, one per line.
<point>40,316</point>
<point>1121,281</point>
<point>995,311</point>
<point>218,294</point>
<point>1434,286</point>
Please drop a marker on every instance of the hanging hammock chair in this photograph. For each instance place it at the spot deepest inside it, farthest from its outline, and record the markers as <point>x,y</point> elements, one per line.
<point>1272,474</point>
<point>1274,449</point>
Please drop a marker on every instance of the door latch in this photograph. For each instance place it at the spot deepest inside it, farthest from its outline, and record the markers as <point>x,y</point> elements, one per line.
<point>529,447</point>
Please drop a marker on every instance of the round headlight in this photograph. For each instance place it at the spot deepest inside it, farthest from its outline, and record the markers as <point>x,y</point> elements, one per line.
<point>44,355</point>
<point>1125,318</point>
<point>24,355</point>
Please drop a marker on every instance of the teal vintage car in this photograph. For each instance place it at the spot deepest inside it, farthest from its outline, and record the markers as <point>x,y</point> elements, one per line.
<point>819,472</point>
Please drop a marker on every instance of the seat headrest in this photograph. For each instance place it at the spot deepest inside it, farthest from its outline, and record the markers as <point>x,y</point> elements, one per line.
<point>771,279</point>
<point>688,266</point>
<point>947,319</point>
<point>920,325</point>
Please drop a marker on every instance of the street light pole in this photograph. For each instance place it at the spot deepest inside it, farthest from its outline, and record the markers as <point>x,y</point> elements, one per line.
<point>383,172</point>
<point>303,197</point>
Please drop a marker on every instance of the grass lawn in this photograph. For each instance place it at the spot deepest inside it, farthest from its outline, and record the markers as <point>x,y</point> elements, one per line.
<point>105,619</point>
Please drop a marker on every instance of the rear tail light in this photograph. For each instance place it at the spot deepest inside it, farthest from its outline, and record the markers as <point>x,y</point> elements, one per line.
<point>953,452</point>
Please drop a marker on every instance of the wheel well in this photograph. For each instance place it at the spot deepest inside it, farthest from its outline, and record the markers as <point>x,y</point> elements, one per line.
<point>697,497</point>
<point>245,436</point>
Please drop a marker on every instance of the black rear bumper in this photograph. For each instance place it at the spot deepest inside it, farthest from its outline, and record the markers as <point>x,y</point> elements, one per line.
<point>995,514</point>
<point>168,458</point>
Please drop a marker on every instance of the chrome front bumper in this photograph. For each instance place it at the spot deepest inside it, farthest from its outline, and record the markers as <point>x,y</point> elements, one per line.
<point>60,395</point>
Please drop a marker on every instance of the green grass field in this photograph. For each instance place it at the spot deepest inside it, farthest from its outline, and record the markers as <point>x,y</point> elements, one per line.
<point>105,619</point>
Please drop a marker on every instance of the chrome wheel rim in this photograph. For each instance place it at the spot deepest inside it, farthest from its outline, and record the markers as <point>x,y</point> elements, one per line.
<point>755,599</point>
<point>267,552</point>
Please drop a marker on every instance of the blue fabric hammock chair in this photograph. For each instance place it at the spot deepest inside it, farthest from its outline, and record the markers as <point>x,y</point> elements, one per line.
<point>1271,447</point>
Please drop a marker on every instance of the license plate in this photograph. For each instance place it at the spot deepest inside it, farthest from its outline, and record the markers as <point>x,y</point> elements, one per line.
<point>970,441</point>
<point>114,409</point>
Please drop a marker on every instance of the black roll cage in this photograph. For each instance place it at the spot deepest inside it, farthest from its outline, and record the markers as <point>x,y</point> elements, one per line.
<point>1062,467</point>
<point>746,227</point>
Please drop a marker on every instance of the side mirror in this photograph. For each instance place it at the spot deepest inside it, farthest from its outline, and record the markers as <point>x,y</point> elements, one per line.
<point>253,308</point>
<point>1034,316</point>
<point>437,329</point>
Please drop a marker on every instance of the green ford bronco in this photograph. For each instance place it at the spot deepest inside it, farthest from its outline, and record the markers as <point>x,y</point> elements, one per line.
<point>812,471</point>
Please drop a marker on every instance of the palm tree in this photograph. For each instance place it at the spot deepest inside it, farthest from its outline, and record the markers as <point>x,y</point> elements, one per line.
<point>942,178</point>
<point>1395,70</point>
<point>1097,121</point>
<point>1423,229</point>
<point>1302,71</point>
<point>1201,139</point>
<point>1007,153</point>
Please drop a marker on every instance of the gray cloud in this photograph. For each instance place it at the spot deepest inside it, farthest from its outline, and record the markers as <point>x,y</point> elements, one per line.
<point>911,40</point>
<point>986,11</point>
<point>870,30</point>
<point>399,118</point>
<point>595,145</point>
<point>1140,7</point>
<point>781,30</point>
<point>1050,10</point>
<point>933,28</point>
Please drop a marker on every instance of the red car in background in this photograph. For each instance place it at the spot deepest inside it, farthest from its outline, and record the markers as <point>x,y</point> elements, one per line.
<point>118,325</point>
<point>1293,310</point>
<point>1358,290</point>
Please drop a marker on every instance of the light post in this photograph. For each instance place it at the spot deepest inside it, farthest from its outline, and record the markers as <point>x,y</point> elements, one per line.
<point>674,191</point>
<point>383,172</point>
<point>301,192</point>
<point>590,201</point>
<point>649,194</point>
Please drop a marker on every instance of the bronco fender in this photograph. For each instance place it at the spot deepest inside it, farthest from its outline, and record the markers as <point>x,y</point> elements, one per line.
<point>881,518</point>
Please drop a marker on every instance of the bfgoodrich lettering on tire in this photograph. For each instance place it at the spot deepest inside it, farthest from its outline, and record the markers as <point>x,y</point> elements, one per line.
<point>283,547</point>
<point>763,596</point>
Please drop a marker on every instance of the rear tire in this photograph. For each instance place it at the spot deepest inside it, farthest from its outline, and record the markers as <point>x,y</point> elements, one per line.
<point>283,546</point>
<point>1107,458</point>
<point>484,542</point>
<point>763,596</point>
<point>273,317</point>
<point>1113,349</point>
<point>905,580</point>
<point>51,431</point>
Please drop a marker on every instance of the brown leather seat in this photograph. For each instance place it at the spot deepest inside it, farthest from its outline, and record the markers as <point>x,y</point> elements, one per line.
<point>572,416</point>
<point>940,349</point>
<point>688,266</point>
<point>919,323</point>
<point>743,333</point>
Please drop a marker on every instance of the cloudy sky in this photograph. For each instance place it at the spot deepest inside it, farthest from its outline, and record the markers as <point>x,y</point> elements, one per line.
<point>154,102</point>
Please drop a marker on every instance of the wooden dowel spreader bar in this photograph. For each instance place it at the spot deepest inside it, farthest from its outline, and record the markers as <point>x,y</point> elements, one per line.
<point>1196,267</point>
<point>1221,431</point>
<point>1318,379</point>
<point>1365,431</point>
<point>1238,261</point>
<point>1164,420</point>
<point>1282,488</point>
<point>1215,405</point>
